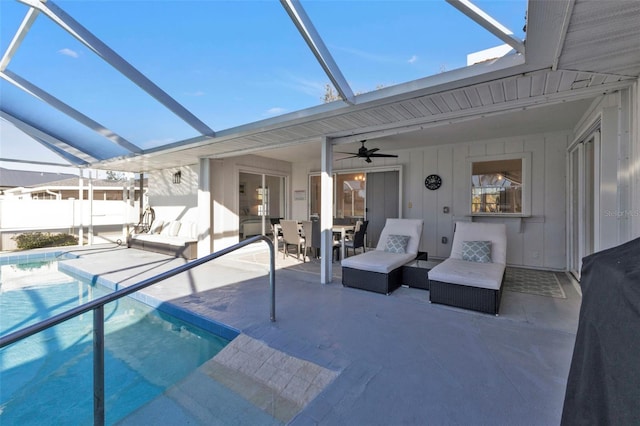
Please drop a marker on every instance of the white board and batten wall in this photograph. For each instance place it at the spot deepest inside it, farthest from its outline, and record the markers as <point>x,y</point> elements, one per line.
<point>536,241</point>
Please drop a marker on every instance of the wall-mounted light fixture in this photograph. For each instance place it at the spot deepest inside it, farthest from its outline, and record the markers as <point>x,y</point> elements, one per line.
<point>177,177</point>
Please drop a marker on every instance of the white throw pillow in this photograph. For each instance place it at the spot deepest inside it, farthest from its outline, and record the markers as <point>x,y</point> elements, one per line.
<point>156,226</point>
<point>186,230</point>
<point>174,228</point>
<point>171,229</point>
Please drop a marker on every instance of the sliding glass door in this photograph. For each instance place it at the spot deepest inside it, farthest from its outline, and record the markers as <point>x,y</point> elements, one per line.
<point>261,198</point>
<point>360,195</point>
<point>582,192</point>
<point>349,196</point>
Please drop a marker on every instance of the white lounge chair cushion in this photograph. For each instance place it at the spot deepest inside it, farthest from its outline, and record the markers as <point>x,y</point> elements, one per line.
<point>475,231</point>
<point>462,272</point>
<point>163,239</point>
<point>378,261</point>
<point>410,227</point>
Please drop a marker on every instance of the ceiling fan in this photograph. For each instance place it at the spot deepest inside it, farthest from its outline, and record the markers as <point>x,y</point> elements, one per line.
<point>365,153</point>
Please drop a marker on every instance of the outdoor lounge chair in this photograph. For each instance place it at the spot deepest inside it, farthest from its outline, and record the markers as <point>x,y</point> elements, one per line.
<point>472,276</point>
<point>380,270</point>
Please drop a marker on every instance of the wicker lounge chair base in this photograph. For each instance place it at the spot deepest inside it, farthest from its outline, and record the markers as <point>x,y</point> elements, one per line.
<point>466,297</point>
<point>372,281</point>
<point>188,250</point>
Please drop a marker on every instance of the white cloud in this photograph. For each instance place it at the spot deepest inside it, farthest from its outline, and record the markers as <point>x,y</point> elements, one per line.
<point>413,59</point>
<point>68,52</point>
<point>196,93</point>
<point>276,111</point>
<point>302,85</point>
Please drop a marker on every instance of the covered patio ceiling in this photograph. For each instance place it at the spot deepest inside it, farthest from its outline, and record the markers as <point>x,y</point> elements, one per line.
<point>574,51</point>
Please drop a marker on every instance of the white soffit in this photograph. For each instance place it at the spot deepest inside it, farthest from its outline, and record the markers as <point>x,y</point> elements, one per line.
<point>532,90</point>
<point>604,37</point>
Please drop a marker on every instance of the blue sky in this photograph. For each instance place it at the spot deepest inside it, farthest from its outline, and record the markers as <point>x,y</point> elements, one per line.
<point>231,62</point>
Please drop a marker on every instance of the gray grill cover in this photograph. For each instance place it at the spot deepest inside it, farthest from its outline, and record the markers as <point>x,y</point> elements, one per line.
<point>603,387</point>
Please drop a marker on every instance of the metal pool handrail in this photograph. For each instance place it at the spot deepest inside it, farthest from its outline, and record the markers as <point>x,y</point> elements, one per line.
<point>97,306</point>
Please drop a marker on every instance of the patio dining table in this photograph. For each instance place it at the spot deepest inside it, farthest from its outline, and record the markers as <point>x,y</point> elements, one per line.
<point>342,230</point>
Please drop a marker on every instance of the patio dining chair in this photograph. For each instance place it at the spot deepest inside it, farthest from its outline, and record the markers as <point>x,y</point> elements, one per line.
<point>357,239</point>
<point>291,237</point>
<point>316,241</point>
<point>307,232</point>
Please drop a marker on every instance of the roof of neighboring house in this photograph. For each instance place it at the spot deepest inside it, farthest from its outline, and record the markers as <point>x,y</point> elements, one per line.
<point>73,182</point>
<point>27,179</point>
<point>15,178</point>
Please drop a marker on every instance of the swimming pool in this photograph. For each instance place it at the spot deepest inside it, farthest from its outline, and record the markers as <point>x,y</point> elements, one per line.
<point>47,378</point>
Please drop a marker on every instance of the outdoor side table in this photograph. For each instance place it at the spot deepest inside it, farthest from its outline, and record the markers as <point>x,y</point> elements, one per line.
<point>416,273</point>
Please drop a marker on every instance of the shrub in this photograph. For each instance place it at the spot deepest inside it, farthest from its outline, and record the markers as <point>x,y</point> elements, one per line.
<point>34,240</point>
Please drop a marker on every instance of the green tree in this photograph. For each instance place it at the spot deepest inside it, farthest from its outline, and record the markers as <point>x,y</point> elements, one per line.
<point>114,176</point>
<point>331,95</point>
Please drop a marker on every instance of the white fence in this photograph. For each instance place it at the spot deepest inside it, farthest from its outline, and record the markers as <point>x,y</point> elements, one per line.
<point>100,221</point>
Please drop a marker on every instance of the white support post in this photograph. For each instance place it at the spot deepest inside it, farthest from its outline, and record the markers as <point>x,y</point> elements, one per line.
<point>204,208</point>
<point>81,202</point>
<point>90,239</point>
<point>326,212</point>
<point>125,211</point>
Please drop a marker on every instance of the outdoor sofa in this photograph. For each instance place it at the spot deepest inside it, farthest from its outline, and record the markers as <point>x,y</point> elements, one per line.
<point>174,238</point>
<point>472,276</point>
<point>380,270</point>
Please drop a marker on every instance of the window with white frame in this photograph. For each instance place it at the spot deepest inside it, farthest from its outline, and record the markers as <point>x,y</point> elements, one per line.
<point>500,185</point>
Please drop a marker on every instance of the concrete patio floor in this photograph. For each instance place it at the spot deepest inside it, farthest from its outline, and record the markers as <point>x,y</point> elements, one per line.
<point>395,360</point>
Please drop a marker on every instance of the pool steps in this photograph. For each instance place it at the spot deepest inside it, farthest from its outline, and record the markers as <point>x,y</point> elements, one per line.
<point>271,387</point>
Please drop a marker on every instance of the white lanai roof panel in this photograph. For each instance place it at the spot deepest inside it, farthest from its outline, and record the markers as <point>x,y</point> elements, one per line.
<point>244,70</point>
<point>52,60</point>
<point>603,37</point>
<point>37,114</point>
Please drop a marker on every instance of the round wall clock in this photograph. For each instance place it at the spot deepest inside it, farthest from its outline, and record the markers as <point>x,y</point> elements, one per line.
<point>433,182</point>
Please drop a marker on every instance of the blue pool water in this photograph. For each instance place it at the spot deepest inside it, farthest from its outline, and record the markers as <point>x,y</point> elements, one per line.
<point>47,378</point>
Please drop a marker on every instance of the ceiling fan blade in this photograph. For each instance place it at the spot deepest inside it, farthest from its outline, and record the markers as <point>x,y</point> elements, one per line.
<point>344,158</point>
<point>384,155</point>
<point>372,150</point>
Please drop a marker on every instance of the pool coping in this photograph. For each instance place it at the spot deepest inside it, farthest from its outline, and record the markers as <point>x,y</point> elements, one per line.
<point>211,326</point>
<point>52,254</point>
<point>190,317</point>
